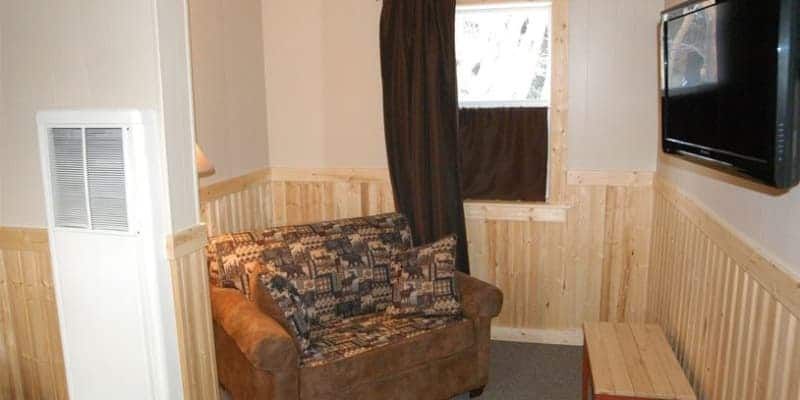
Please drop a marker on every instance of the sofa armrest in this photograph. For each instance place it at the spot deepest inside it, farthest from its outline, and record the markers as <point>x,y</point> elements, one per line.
<point>478,298</point>
<point>260,338</point>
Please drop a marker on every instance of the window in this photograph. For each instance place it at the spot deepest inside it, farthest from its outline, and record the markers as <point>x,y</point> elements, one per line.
<point>503,55</point>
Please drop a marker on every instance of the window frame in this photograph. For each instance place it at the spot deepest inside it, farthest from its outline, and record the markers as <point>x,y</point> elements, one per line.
<point>559,108</point>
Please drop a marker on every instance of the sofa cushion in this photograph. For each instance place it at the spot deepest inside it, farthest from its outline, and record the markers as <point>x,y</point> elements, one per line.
<point>230,260</point>
<point>425,280</point>
<point>341,268</point>
<point>371,348</point>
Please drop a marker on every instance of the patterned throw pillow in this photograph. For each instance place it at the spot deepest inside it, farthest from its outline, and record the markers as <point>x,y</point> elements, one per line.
<point>425,281</point>
<point>289,302</point>
<point>230,260</point>
<point>386,236</point>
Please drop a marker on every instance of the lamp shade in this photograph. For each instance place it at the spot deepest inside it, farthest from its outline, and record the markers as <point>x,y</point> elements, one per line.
<point>204,166</point>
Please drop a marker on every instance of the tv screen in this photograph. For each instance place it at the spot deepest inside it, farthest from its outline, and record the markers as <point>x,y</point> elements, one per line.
<point>730,86</point>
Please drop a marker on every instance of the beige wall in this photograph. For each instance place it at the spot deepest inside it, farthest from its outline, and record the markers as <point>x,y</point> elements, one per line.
<point>63,54</point>
<point>84,54</point>
<point>293,69</point>
<point>323,83</point>
<point>771,222</point>
<point>613,76</point>
<point>324,92</point>
<point>229,91</point>
<point>353,95</point>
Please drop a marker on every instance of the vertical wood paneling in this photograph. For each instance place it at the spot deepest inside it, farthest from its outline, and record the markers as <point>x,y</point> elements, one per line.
<point>591,266</point>
<point>242,207</point>
<point>278,197</point>
<point>731,315</point>
<point>31,359</point>
<point>193,313</point>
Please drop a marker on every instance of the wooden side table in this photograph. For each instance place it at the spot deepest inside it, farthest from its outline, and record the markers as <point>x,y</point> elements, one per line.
<point>630,362</point>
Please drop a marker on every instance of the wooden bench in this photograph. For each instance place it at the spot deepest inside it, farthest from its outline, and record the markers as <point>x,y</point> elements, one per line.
<point>631,361</point>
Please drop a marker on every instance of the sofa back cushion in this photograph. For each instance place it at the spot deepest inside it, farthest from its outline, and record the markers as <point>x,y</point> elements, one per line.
<point>340,268</point>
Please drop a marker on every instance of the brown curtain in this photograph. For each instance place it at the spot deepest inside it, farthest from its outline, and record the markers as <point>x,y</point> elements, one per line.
<point>420,104</point>
<point>503,153</point>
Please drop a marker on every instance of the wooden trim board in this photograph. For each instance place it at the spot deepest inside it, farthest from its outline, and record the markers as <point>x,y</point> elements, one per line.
<point>233,185</point>
<point>610,178</point>
<point>559,103</point>
<point>192,300</point>
<point>328,174</point>
<point>567,337</point>
<point>186,242</point>
<point>509,211</point>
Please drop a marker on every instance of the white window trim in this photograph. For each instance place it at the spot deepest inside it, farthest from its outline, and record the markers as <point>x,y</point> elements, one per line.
<point>504,5</point>
<point>533,4</point>
<point>504,104</point>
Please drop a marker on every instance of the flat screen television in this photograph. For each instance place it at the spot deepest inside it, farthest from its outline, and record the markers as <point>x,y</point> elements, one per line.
<point>730,90</point>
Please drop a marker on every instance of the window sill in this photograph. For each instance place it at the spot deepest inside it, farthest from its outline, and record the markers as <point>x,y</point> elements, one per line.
<point>504,104</point>
<point>515,211</point>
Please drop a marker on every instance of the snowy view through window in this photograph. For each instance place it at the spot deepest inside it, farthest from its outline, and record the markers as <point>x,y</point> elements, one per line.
<point>503,55</point>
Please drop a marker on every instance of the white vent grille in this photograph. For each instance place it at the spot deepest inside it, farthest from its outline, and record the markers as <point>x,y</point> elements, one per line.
<point>105,166</point>
<point>68,171</point>
<point>88,178</point>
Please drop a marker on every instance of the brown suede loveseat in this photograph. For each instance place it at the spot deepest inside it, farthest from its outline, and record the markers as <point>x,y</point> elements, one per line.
<point>359,352</point>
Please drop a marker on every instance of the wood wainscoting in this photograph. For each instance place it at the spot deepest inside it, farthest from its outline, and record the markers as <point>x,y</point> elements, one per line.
<point>185,251</point>
<point>31,358</point>
<point>558,264</point>
<point>286,196</point>
<point>730,313</point>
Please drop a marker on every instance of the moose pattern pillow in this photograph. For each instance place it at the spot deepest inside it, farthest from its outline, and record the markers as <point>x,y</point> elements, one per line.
<point>425,281</point>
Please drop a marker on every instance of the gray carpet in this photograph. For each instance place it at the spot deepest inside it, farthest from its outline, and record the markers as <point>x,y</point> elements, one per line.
<point>521,371</point>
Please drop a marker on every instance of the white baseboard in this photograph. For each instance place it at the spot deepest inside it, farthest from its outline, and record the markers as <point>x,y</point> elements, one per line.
<point>569,337</point>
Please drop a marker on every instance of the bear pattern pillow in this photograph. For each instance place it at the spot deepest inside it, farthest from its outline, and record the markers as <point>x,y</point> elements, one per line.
<point>425,281</point>
<point>283,298</point>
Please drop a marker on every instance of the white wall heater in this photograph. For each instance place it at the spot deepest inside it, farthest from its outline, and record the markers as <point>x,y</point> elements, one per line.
<point>103,178</point>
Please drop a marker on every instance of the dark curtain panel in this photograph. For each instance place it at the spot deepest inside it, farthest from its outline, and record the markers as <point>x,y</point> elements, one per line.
<point>420,102</point>
<point>503,153</point>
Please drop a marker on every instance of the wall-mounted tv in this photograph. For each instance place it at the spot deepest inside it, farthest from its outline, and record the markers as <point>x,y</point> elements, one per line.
<point>731,86</point>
